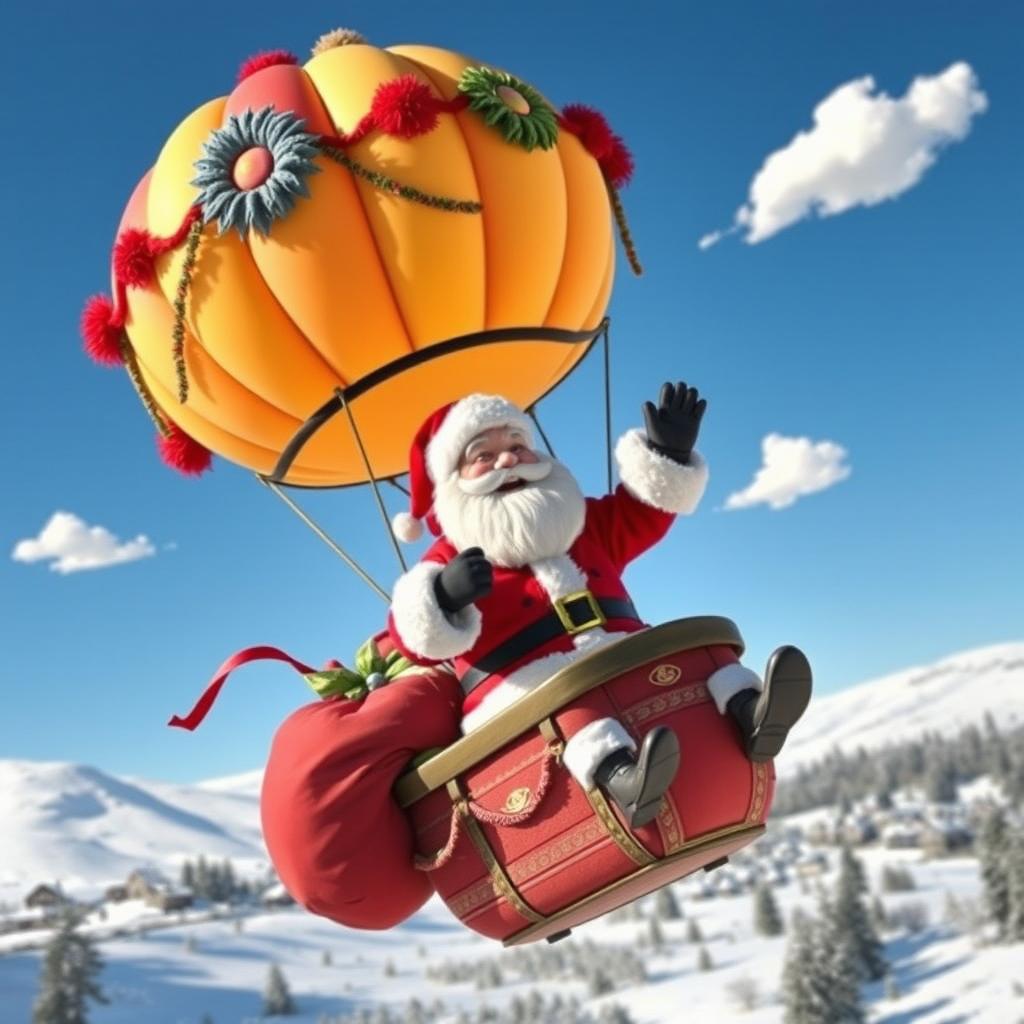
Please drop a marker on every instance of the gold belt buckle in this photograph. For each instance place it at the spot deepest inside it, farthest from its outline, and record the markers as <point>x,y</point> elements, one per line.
<point>572,628</point>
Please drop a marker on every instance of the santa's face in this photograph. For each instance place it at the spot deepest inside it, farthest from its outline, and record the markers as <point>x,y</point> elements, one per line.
<point>517,504</point>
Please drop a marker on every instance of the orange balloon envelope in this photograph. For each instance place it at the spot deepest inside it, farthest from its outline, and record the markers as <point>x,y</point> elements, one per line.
<point>318,260</point>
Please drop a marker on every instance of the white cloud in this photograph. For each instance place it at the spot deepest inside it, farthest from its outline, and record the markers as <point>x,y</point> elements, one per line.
<point>790,468</point>
<point>865,147</point>
<point>70,546</point>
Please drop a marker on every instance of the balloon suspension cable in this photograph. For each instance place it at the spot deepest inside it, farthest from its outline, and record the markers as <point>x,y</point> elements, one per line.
<point>373,480</point>
<point>328,540</point>
<point>399,487</point>
<point>540,430</point>
<point>607,404</point>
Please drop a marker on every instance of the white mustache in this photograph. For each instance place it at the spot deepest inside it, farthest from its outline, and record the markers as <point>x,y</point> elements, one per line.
<point>490,482</point>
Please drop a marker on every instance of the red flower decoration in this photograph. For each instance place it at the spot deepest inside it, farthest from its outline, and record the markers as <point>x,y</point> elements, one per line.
<point>102,339</point>
<point>617,166</point>
<point>183,453</point>
<point>259,61</point>
<point>590,127</point>
<point>404,107</point>
<point>133,257</point>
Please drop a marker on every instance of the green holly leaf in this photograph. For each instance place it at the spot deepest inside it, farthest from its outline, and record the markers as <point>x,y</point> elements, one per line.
<point>337,682</point>
<point>369,660</point>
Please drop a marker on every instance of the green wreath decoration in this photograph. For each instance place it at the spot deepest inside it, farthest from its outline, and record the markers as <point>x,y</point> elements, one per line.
<point>516,109</point>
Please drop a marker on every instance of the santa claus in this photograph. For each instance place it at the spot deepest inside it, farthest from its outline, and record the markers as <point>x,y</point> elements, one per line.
<point>526,576</point>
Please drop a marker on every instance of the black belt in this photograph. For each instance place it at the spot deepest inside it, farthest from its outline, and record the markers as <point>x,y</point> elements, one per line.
<point>571,615</point>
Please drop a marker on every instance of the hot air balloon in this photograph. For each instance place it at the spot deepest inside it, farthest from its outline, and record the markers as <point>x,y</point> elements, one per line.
<point>314,263</point>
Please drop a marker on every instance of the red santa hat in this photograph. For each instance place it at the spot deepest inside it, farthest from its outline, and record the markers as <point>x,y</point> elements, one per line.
<point>439,445</point>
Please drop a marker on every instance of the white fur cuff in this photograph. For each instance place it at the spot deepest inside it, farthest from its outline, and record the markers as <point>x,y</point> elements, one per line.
<point>423,626</point>
<point>586,749</point>
<point>658,481</point>
<point>724,683</point>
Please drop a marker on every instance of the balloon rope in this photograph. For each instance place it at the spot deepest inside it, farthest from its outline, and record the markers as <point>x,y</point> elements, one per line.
<point>195,232</point>
<point>624,233</point>
<point>540,430</point>
<point>607,406</point>
<point>333,545</point>
<point>373,479</point>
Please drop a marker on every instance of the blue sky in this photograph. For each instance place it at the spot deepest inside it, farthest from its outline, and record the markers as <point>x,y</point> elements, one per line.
<point>893,331</point>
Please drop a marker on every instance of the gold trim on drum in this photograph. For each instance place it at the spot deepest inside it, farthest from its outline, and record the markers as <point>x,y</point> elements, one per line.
<point>624,839</point>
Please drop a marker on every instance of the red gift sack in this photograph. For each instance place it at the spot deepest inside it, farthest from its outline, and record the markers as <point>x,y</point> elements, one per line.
<point>516,847</point>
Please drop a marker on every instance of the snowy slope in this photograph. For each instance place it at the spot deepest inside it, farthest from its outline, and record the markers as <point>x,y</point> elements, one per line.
<point>943,697</point>
<point>84,828</point>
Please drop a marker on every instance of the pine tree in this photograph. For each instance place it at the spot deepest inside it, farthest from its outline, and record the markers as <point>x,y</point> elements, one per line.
<point>71,965</point>
<point>852,919</point>
<point>993,844</point>
<point>655,935</point>
<point>767,920</point>
<point>704,961</point>
<point>693,932</point>
<point>326,960</point>
<point>277,999</point>
<point>201,877</point>
<point>805,996</point>
<point>879,918</point>
<point>1015,888</point>
<point>666,906</point>
<point>188,875</point>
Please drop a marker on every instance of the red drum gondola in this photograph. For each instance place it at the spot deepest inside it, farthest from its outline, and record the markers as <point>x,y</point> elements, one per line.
<point>520,852</point>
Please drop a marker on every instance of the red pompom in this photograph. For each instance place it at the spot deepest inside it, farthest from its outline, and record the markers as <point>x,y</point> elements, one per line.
<point>183,453</point>
<point>133,257</point>
<point>617,165</point>
<point>404,107</point>
<point>102,339</point>
<point>590,127</point>
<point>259,61</point>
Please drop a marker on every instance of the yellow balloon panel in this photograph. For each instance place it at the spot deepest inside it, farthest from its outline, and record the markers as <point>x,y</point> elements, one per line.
<point>170,192</point>
<point>434,258</point>
<point>589,239</point>
<point>238,320</point>
<point>524,197</point>
<point>251,456</point>
<point>322,265</point>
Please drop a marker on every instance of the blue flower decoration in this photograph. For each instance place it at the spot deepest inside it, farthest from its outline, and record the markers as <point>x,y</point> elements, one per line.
<point>280,149</point>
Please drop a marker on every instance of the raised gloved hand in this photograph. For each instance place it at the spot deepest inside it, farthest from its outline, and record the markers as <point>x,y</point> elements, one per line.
<point>465,579</point>
<point>673,426</point>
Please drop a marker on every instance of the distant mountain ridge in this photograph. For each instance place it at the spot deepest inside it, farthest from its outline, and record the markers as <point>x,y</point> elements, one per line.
<point>942,697</point>
<point>86,828</point>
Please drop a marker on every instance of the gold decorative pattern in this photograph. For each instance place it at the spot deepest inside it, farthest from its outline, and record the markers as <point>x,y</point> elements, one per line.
<point>665,674</point>
<point>665,703</point>
<point>517,799</point>
<point>669,824</point>
<point>758,790</point>
<point>471,899</point>
<point>624,840</point>
<point>554,853</point>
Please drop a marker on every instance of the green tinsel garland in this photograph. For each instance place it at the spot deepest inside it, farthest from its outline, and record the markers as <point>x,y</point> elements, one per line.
<point>148,402</point>
<point>195,232</point>
<point>386,184</point>
<point>537,127</point>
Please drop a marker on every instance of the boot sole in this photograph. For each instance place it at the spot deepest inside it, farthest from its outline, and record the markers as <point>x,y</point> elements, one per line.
<point>788,684</point>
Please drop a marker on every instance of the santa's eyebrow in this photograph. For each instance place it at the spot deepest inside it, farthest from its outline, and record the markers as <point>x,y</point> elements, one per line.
<point>485,441</point>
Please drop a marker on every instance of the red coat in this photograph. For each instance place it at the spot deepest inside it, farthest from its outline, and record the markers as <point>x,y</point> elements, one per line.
<point>617,528</point>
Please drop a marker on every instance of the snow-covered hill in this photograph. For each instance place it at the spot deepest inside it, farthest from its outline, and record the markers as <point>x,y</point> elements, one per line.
<point>84,828</point>
<point>943,697</point>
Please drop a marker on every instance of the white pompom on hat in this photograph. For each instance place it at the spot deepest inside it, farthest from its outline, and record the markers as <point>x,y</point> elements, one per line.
<point>439,445</point>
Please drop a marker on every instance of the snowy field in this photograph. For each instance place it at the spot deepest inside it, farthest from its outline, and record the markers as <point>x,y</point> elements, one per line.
<point>218,968</point>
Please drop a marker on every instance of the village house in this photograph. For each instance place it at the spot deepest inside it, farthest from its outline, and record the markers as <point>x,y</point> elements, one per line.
<point>151,887</point>
<point>47,897</point>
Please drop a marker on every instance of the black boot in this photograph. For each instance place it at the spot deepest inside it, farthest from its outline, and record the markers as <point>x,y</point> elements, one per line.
<point>636,785</point>
<point>765,718</point>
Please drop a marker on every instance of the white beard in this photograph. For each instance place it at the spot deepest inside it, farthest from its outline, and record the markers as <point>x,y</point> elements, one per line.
<point>539,520</point>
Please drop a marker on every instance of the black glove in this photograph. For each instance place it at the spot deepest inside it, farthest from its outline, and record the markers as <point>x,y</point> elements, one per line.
<point>465,579</point>
<point>673,426</point>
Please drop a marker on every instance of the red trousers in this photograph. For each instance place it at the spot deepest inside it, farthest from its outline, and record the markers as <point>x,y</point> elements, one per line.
<point>340,843</point>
